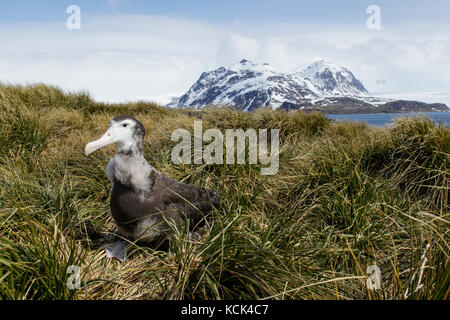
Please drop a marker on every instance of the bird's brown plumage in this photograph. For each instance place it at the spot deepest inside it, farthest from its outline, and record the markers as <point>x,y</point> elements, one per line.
<point>147,219</point>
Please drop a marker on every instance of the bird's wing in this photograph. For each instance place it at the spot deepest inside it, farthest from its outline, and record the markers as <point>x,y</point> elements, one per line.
<point>192,200</point>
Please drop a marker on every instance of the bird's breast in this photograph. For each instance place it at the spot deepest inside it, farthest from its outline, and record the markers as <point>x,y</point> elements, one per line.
<point>127,207</point>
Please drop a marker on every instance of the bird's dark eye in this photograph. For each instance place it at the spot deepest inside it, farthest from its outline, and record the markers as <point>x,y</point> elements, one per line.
<point>124,125</point>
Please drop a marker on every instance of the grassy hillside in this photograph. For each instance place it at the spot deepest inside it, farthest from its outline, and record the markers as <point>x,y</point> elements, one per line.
<point>346,196</point>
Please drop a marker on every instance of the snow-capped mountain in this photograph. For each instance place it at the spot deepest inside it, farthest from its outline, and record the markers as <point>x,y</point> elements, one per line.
<point>248,86</point>
<point>331,80</point>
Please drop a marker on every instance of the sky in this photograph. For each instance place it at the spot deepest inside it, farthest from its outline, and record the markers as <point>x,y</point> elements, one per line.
<point>128,50</point>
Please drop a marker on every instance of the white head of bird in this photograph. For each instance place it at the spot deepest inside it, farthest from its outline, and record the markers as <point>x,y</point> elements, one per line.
<point>125,131</point>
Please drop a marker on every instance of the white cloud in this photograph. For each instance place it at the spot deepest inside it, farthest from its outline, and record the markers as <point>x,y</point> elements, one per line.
<point>128,57</point>
<point>235,47</point>
<point>116,58</point>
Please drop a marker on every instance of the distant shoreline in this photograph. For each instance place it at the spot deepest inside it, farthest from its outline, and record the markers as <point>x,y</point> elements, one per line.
<point>383,119</point>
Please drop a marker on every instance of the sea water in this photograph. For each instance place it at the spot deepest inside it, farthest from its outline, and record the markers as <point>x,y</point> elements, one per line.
<point>383,119</point>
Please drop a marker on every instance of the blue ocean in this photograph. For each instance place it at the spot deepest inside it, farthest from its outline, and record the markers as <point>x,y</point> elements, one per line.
<point>383,119</point>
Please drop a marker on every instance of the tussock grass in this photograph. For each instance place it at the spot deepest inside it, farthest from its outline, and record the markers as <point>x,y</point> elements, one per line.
<point>347,196</point>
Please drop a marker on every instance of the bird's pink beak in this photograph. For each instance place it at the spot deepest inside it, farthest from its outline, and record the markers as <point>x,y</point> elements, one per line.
<point>106,139</point>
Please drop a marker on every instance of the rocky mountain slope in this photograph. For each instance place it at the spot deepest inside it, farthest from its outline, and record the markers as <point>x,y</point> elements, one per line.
<point>321,86</point>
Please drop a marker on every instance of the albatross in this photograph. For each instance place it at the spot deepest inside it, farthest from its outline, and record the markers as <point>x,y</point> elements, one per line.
<point>143,201</point>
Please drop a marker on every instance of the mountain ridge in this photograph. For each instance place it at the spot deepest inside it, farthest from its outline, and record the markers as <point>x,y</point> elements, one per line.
<point>248,86</point>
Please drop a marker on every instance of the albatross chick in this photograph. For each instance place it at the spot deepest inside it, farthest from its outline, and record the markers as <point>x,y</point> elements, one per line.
<point>143,201</point>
